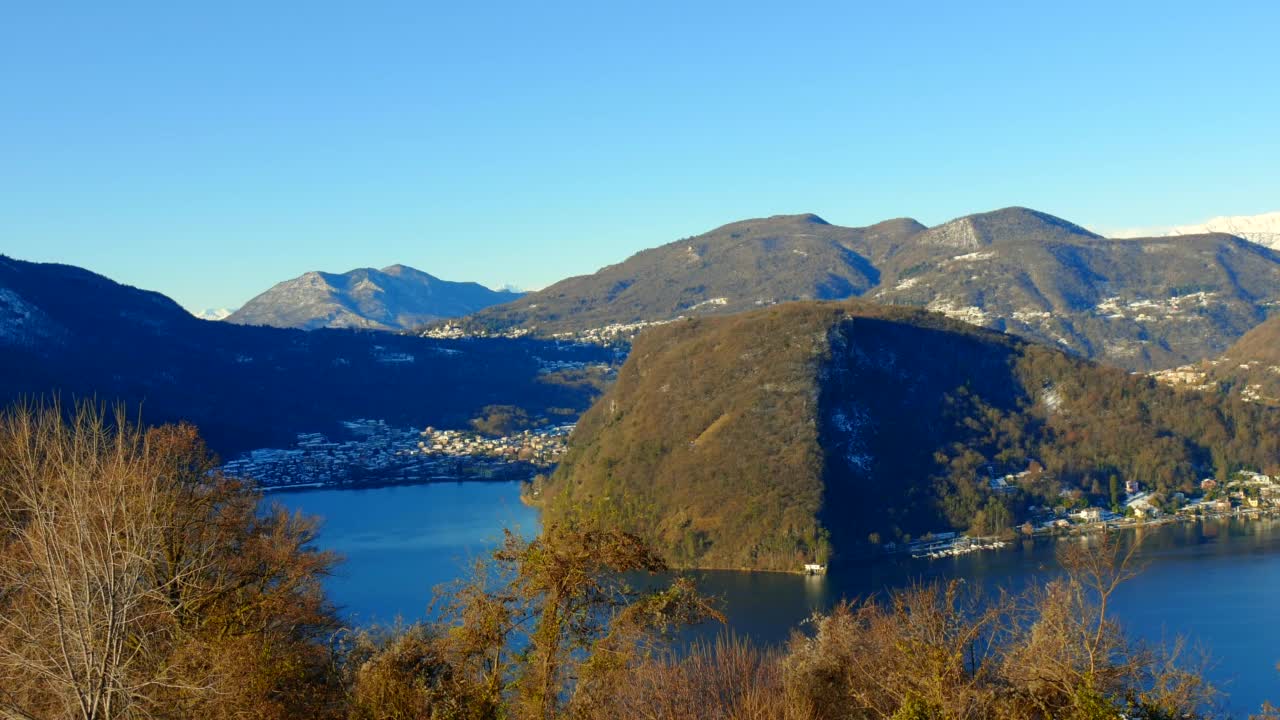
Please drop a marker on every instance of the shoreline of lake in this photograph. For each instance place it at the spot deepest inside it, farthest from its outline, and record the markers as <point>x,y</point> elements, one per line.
<point>1212,580</point>
<point>856,560</point>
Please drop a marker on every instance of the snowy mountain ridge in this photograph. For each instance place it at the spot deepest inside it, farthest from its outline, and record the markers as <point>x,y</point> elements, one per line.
<point>214,313</point>
<point>1263,229</point>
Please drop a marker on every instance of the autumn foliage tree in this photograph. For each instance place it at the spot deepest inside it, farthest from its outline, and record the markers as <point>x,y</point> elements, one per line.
<point>136,581</point>
<point>548,628</point>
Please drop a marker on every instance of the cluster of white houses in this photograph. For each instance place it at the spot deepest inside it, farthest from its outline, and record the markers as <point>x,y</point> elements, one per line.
<point>1245,492</point>
<point>456,331</point>
<point>604,335</point>
<point>372,448</point>
<point>1197,377</point>
<point>377,453</point>
<point>612,332</point>
<point>541,447</point>
<point>554,366</point>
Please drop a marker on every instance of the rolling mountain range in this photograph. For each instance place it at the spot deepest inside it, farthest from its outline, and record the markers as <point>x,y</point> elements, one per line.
<point>68,331</point>
<point>1137,303</point>
<point>786,435</point>
<point>393,298</point>
<point>736,267</point>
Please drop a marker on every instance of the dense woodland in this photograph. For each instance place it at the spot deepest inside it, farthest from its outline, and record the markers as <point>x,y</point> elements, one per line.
<point>707,443</point>
<point>137,582</point>
<point>768,439</point>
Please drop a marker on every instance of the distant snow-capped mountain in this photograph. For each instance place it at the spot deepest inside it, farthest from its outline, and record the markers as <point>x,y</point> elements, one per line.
<point>214,313</point>
<point>1263,229</point>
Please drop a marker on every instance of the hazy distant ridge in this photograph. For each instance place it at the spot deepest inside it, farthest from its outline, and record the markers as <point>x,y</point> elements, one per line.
<point>393,298</point>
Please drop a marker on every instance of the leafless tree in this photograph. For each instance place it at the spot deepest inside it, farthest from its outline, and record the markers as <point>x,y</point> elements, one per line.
<point>82,531</point>
<point>137,582</point>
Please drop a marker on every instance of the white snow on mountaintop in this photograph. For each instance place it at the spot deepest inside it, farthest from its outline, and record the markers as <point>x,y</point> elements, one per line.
<point>214,314</point>
<point>1263,229</point>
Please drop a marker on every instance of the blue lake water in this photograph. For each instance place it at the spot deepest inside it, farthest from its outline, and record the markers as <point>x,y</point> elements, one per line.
<point>399,542</point>
<point>1218,582</point>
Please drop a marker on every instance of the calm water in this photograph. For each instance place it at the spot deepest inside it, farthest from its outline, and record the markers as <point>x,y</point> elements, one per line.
<point>400,542</point>
<point>1218,583</point>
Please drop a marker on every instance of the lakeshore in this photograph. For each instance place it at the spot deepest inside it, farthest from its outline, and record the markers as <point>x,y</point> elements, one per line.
<point>951,544</point>
<point>400,541</point>
<point>370,453</point>
<point>1243,494</point>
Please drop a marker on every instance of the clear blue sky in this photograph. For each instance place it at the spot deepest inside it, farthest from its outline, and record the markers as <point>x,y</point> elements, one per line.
<point>209,150</point>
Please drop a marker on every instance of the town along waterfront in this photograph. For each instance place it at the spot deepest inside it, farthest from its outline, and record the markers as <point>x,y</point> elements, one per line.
<point>1215,581</point>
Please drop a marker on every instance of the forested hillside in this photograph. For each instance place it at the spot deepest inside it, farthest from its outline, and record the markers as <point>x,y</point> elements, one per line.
<point>768,438</point>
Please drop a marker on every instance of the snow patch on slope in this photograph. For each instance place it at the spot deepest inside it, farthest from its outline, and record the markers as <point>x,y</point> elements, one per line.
<point>852,423</point>
<point>21,323</point>
<point>1052,398</point>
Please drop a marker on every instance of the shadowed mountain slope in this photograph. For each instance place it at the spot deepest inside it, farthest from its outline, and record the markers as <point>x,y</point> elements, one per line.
<point>67,330</point>
<point>790,434</point>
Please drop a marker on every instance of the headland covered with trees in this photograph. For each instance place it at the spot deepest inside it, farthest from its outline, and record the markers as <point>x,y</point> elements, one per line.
<point>782,436</point>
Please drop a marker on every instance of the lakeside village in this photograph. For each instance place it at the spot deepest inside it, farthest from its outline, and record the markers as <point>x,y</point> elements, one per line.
<point>1245,494</point>
<point>607,335</point>
<point>374,453</point>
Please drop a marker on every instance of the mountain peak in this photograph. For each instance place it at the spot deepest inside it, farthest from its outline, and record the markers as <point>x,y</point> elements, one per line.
<point>1010,224</point>
<point>214,314</point>
<point>772,223</point>
<point>399,270</point>
<point>396,297</point>
<point>901,226</point>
